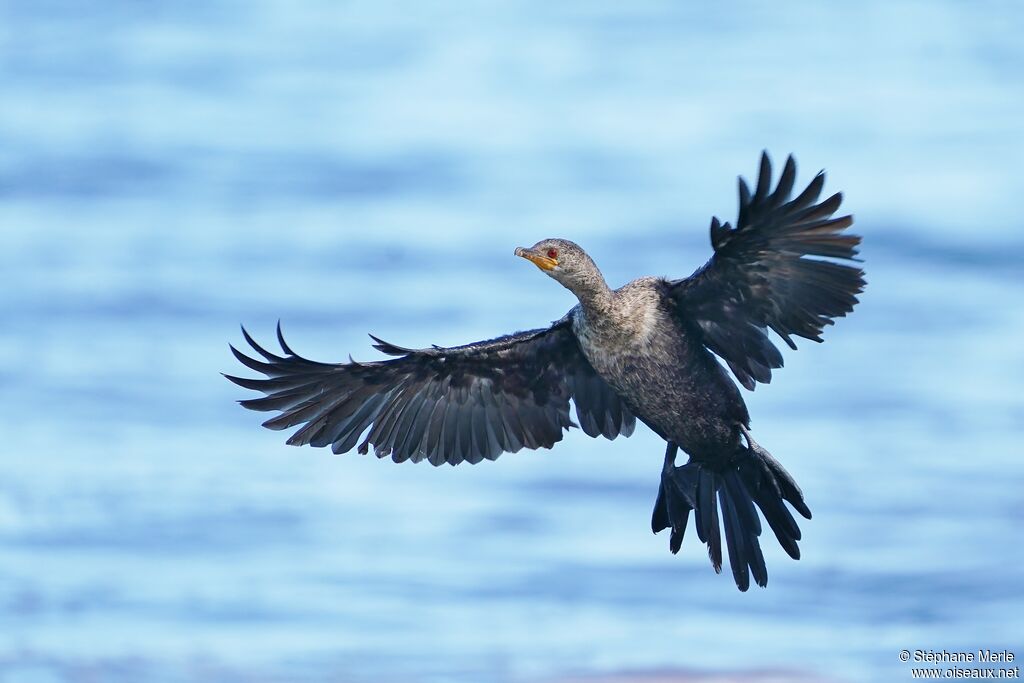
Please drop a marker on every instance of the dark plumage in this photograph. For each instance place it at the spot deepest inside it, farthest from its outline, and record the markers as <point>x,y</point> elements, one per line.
<point>647,349</point>
<point>444,405</point>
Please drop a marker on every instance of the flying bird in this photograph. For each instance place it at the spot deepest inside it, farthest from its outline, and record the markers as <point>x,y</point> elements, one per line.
<point>651,350</point>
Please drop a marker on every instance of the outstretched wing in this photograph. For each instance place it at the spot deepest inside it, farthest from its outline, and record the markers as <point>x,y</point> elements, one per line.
<point>782,267</point>
<point>441,404</point>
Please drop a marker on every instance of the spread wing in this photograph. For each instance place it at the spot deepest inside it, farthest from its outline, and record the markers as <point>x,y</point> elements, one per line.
<point>784,266</point>
<point>464,403</point>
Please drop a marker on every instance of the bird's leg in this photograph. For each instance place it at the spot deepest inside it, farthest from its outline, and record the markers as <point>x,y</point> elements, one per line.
<point>762,467</point>
<point>746,435</point>
<point>670,458</point>
<point>752,445</point>
<point>676,497</point>
<point>661,519</point>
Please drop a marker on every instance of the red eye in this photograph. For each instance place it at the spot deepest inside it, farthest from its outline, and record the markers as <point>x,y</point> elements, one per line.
<point>552,253</point>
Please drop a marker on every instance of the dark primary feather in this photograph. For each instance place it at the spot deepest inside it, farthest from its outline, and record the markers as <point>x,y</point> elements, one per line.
<point>464,403</point>
<point>773,270</point>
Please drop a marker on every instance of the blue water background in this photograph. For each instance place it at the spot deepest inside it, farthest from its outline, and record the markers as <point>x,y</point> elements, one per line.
<point>169,170</point>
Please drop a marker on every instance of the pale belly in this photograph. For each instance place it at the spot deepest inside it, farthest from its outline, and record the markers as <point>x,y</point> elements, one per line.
<point>671,384</point>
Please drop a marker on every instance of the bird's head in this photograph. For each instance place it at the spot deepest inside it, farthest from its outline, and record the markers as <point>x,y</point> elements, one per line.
<point>566,262</point>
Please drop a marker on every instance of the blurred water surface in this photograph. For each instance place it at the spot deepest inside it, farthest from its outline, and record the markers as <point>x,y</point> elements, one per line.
<point>168,170</point>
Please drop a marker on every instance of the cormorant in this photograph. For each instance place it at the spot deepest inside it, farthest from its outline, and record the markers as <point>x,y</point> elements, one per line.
<point>644,351</point>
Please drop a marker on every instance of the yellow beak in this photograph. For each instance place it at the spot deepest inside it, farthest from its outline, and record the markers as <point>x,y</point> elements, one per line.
<point>539,260</point>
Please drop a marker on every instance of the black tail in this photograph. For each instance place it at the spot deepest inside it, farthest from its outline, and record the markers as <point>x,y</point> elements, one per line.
<point>752,477</point>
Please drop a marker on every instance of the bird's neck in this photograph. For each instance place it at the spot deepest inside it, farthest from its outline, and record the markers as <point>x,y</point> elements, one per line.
<point>594,295</point>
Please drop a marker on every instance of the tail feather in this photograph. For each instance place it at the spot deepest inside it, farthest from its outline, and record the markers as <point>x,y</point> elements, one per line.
<point>742,529</point>
<point>751,481</point>
<point>707,516</point>
<point>735,538</point>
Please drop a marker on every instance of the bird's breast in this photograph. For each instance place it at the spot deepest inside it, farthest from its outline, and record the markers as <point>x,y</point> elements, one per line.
<point>633,335</point>
<point>667,379</point>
